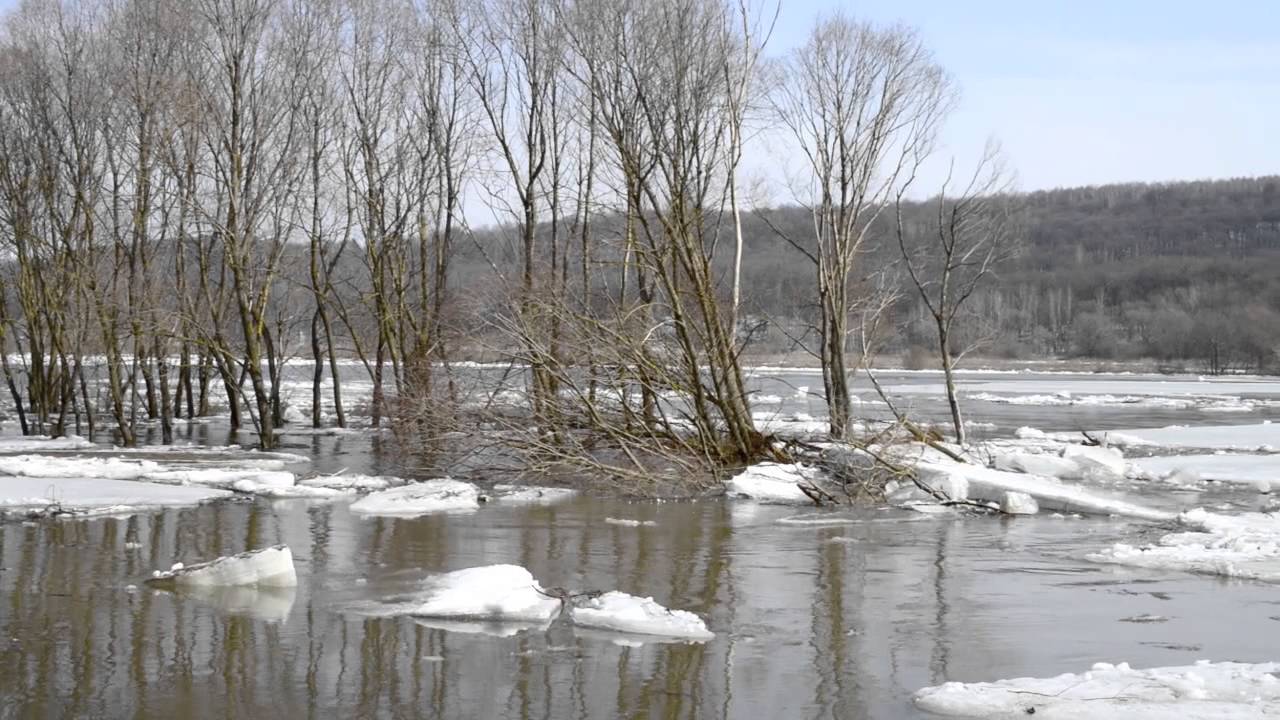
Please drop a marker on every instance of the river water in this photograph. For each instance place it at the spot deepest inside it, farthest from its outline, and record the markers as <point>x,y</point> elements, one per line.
<point>842,618</point>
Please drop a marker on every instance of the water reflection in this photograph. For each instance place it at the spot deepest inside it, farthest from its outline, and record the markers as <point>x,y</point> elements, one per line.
<point>821,620</point>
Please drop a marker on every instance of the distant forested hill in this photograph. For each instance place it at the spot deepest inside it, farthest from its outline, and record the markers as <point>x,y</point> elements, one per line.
<point>1178,272</point>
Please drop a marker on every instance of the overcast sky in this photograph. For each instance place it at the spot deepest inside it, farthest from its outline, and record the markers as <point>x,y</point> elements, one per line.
<point>1085,92</point>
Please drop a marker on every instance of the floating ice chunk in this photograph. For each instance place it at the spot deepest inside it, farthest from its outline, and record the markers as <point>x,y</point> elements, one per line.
<point>431,496</point>
<point>766,400</point>
<point>49,466</point>
<point>630,614</point>
<point>1193,692</point>
<point>358,483</point>
<point>962,481</point>
<point>531,494</point>
<point>222,478</point>
<point>1259,437</point>
<point>772,483</point>
<point>268,567</point>
<point>490,592</point>
<point>1241,546</point>
<point>1260,471</point>
<point>1101,462</point>
<point>1019,503</point>
<point>97,495</point>
<point>1038,464</point>
<point>627,522</point>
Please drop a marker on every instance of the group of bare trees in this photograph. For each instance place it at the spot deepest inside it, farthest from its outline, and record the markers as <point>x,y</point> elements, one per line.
<point>193,193</point>
<point>162,163</point>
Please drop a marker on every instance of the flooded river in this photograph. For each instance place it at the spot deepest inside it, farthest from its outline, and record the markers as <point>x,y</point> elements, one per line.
<point>815,616</point>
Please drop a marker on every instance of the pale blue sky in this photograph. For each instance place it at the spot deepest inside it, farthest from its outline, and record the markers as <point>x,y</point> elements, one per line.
<point>1092,92</point>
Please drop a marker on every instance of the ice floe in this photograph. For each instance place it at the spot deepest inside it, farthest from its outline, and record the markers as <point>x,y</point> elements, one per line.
<point>1259,437</point>
<point>965,481</point>
<point>353,483</point>
<point>628,522</point>
<point>530,494</point>
<point>772,483</point>
<point>268,567</point>
<point>98,496</point>
<point>40,443</point>
<point>1239,546</point>
<point>506,593</point>
<point>1205,690</point>
<point>625,613</point>
<point>1259,471</point>
<point>430,496</point>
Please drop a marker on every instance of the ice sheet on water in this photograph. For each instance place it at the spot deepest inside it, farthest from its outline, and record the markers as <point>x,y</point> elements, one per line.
<point>39,443</point>
<point>213,477</point>
<point>490,593</point>
<point>99,495</point>
<point>961,481</point>
<point>625,613</point>
<point>355,483</point>
<point>1255,437</point>
<point>1259,471</point>
<point>48,466</point>
<point>1240,691</point>
<point>1239,546</point>
<point>530,494</point>
<point>431,496</point>
<point>267,567</point>
<point>772,483</point>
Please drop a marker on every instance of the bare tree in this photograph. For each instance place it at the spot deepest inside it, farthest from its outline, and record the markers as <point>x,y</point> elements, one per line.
<point>961,247</point>
<point>863,104</point>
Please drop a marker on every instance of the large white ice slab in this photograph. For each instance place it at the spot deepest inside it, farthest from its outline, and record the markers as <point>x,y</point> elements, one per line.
<point>1204,691</point>
<point>1263,437</point>
<point>491,592</point>
<point>964,481</point>
<point>431,496</point>
<point>625,613</point>
<point>1258,471</point>
<point>99,495</point>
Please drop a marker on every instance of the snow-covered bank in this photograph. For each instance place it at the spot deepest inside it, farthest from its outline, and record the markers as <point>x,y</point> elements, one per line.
<point>268,567</point>
<point>97,496</point>
<point>431,496</point>
<point>1202,691</point>
<point>625,613</point>
<point>1239,546</point>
